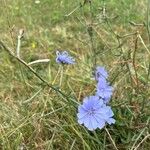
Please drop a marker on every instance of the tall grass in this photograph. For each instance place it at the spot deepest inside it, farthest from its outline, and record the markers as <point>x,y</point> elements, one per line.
<point>114,34</point>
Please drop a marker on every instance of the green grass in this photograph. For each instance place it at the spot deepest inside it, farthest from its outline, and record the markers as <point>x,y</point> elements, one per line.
<point>33,116</point>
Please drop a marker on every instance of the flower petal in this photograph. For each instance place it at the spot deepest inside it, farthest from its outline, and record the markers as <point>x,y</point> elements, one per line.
<point>111,121</point>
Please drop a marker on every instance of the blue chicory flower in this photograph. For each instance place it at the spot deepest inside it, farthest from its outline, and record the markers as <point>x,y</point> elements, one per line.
<point>100,73</point>
<point>93,113</point>
<point>64,58</point>
<point>104,90</point>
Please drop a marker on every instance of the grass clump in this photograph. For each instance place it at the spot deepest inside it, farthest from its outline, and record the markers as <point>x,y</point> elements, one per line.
<point>114,34</point>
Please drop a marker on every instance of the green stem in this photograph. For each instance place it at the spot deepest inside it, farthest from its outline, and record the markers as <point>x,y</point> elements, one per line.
<point>148,19</point>
<point>90,31</point>
<point>37,75</point>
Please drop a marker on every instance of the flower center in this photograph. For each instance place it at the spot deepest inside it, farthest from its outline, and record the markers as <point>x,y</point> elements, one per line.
<point>102,90</point>
<point>91,111</point>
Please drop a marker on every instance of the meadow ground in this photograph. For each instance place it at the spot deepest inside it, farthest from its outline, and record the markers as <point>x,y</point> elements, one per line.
<point>111,33</point>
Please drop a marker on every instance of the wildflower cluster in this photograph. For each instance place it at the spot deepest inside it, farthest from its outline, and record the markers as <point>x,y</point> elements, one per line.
<point>104,90</point>
<point>94,112</point>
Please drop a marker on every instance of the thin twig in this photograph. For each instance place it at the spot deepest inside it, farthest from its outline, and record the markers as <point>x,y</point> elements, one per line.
<point>141,133</point>
<point>72,145</point>
<point>139,136</point>
<point>101,38</point>
<point>148,72</point>
<point>126,35</point>
<point>146,137</point>
<point>148,19</point>
<point>39,61</point>
<point>72,11</point>
<point>134,65</point>
<point>136,24</point>
<point>77,7</point>
<point>18,46</point>
<point>21,32</point>
<point>144,44</point>
<point>111,139</point>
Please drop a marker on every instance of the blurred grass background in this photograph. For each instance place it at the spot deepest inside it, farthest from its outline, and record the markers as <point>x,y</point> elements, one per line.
<point>33,116</point>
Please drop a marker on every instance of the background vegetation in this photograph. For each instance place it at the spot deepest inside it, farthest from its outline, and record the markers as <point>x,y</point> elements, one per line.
<point>32,115</point>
